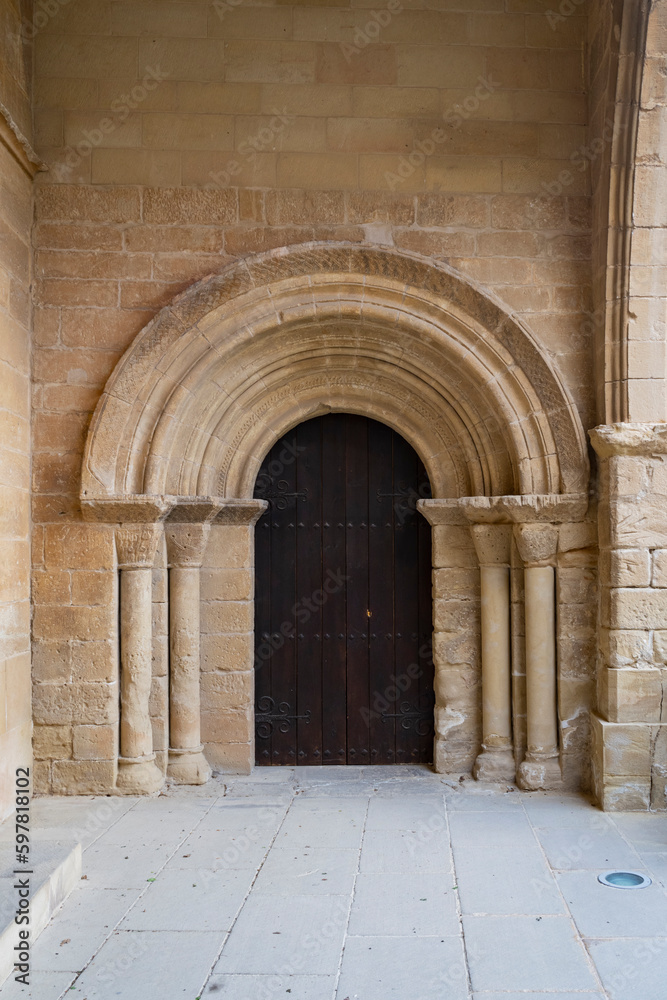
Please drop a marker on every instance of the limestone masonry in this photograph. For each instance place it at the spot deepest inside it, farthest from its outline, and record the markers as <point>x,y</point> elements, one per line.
<point>221,219</point>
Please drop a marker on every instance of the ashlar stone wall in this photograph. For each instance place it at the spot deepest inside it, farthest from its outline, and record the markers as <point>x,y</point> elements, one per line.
<point>184,136</point>
<point>17,165</point>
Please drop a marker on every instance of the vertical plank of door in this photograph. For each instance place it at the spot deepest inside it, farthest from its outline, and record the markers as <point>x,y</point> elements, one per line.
<point>381,590</point>
<point>406,595</point>
<point>425,623</point>
<point>334,567</point>
<point>263,658</point>
<point>309,542</point>
<point>283,599</point>
<point>356,539</point>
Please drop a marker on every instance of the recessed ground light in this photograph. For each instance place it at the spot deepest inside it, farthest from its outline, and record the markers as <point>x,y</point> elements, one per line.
<point>625,880</point>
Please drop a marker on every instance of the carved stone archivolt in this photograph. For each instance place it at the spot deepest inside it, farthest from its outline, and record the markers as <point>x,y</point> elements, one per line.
<point>221,374</point>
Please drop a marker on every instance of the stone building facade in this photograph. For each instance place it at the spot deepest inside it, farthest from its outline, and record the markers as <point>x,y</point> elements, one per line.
<point>221,219</point>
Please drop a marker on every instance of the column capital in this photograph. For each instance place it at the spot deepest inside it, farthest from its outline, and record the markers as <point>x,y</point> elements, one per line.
<point>492,543</point>
<point>186,543</point>
<point>136,545</point>
<point>537,543</point>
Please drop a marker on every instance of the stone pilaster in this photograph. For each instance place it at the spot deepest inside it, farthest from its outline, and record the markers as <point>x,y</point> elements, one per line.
<point>630,726</point>
<point>228,646</point>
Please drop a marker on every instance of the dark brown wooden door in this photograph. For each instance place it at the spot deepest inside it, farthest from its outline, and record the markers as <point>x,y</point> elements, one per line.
<point>343,664</point>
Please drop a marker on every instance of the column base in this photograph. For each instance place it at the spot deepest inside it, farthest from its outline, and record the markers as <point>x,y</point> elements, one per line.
<point>139,775</point>
<point>188,767</point>
<point>539,774</point>
<point>494,765</point>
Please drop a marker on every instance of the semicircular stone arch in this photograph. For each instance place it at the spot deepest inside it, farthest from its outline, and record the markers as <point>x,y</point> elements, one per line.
<point>238,359</point>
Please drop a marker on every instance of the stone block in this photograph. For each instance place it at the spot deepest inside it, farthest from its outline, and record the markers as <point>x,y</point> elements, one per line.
<point>460,646</point>
<point>231,758</point>
<point>659,560</point>
<point>83,777</point>
<point>93,588</point>
<point>229,546</point>
<point>452,546</point>
<point>636,609</point>
<point>451,615</point>
<point>224,691</point>
<point>625,647</point>
<point>227,584</point>
<point>631,694</point>
<point>227,652</point>
<point>576,585</point>
<point>94,661</point>
<point>622,749</point>
<point>227,727</point>
<point>95,742</point>
<point>221,617</point>
<point>51,661</point>
<point>52,704</point>
<point>629,568</point>
<point>52,742</point>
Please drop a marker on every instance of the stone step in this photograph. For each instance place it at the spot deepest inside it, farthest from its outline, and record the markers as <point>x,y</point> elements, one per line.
<point>55,868</point>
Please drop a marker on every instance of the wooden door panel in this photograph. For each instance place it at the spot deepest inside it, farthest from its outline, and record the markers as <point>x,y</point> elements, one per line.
<point>343,599</point>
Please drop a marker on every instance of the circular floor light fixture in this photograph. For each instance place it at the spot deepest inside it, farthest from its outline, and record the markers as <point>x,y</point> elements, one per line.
<point>624,880</point>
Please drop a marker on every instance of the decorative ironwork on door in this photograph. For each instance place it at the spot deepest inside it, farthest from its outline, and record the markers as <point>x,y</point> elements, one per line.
<point>343,663</point>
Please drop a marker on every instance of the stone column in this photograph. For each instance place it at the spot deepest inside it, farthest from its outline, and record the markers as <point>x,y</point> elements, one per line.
<point>185,550</point>
<point>496,761</point>
<point>537,544</point>
<point>136,545</point>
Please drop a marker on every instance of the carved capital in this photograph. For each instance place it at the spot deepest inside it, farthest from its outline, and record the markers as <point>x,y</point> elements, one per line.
<point>537,543</point>
<point>492,543</point>
<point>186,543</point>
<point>136,545</point>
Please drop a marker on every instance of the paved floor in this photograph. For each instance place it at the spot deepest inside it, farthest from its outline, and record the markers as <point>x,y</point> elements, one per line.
<point>354,884</point>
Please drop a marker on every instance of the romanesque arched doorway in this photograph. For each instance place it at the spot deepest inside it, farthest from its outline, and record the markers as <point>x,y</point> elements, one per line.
<point>179,436</point>
<point>343,607</point>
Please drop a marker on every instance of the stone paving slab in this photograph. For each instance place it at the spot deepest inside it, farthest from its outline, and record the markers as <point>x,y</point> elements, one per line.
<point>270,988</point>
<point>632,970</point>
<point>352,884</point>
<point>404,905</point>
<point>572,850</point>
<point>84,923</point>
<point>602,912</point>
<point>397,968</point>
<point>301,933</point>
<point>538,996</point>
<point>197,899</point>
<point>503,881</point>
<point>308,871</point>
<point>526,953</point>
<point>136,965</point>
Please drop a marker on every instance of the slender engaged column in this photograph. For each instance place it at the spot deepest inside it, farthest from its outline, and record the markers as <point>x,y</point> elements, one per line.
<point>136,544</point>
<point>537,544</point>
<point>496,761</point>
<point>185,550</point>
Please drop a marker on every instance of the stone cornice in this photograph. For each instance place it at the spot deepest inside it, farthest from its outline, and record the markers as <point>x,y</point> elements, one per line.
<point>629,439</point>
<point>551,508</point>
